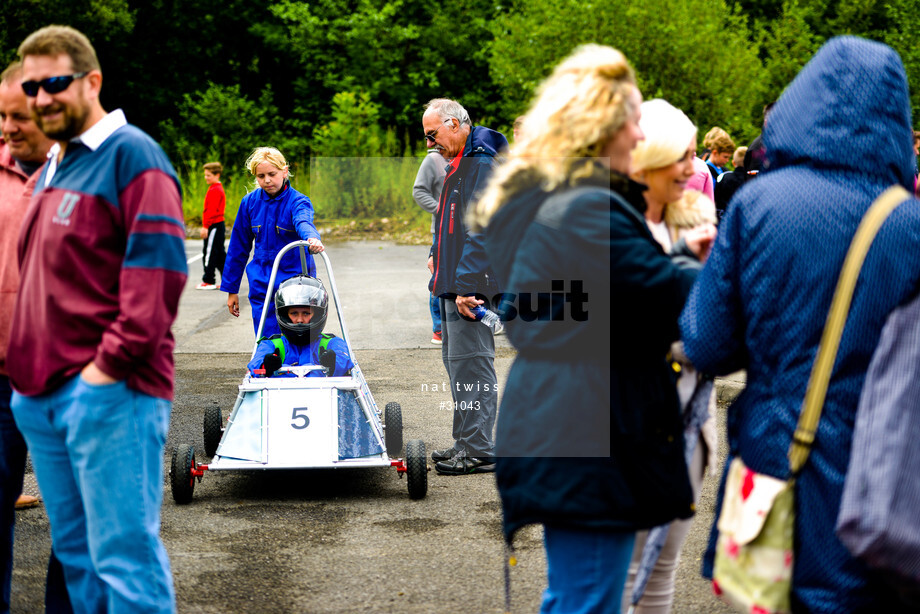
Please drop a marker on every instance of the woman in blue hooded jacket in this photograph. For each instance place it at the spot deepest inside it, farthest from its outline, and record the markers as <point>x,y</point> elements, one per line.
<point>837,138</point>
<point>271,216</point>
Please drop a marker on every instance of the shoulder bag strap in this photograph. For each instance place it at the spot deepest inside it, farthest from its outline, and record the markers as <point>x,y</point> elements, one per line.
<point>815,394</point>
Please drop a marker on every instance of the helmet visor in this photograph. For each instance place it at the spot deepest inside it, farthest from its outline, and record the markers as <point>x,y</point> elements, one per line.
<point>301,295</point>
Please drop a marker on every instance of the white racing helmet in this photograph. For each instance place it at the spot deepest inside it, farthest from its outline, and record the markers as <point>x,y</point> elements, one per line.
<point>301,291</point>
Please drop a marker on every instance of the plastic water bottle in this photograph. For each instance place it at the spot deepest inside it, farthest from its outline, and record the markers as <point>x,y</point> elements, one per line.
<point>487,317</point>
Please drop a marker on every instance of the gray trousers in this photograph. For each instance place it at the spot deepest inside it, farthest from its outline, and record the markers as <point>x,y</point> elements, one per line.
<point>469,353</point>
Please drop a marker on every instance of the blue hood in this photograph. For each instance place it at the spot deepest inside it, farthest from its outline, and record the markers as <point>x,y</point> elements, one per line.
<point>487,141</point>
<point>847,110</point>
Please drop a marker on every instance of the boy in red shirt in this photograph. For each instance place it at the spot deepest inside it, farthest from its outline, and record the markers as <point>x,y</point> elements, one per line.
<point>213,228</point>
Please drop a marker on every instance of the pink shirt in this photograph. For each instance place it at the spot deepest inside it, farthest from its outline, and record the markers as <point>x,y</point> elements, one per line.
<point>15,189</point>
<point>702,179</point>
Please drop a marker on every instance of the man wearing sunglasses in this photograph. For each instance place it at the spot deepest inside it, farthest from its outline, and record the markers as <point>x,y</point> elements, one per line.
<point>461,277</point>
<point>103,265</point>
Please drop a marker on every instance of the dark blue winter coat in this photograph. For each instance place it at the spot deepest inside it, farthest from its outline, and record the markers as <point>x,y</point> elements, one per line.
<point>460,263</point>
<point>839,136</point>
<point>271,222</point>
<point>589,430</point>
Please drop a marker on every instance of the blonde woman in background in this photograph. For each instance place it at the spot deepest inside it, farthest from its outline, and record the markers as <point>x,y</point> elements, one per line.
<point>589,433</point>
<point>664,163</point>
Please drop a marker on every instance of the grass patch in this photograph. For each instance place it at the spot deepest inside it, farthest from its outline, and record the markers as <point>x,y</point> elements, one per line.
<point>353,199</point>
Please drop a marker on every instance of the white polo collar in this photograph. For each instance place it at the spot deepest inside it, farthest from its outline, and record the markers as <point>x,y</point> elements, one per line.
<point>103,129</point>
<point>93,138</point>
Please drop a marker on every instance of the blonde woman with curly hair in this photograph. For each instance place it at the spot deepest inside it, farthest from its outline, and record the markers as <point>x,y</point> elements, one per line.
<point>271,216</point>
<point>589,436</point>
<point>663,161</point>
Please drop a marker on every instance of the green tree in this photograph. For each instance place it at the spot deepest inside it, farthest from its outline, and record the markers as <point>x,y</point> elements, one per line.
<point>696,54</point>
<point>400,52</point>
<point>356,173</point>
<point>354,130</point>
<point>220,123</point>
<point>103,21</point>
<point>788,45</point>
<point>903,39</point>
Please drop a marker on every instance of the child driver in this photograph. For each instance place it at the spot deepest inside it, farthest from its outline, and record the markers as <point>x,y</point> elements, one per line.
<point>301,304</point>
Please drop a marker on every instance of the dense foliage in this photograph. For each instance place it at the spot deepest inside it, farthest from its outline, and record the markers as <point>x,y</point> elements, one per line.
<point>349,78</point>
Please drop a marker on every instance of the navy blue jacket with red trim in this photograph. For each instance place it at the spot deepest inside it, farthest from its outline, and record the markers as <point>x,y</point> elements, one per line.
<point>460,263</point>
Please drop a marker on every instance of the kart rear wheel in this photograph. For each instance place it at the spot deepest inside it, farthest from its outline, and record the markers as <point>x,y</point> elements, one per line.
<point>392,420</point>
<point>180,475</point>
<point>213,429</point>
<point>416,469</point>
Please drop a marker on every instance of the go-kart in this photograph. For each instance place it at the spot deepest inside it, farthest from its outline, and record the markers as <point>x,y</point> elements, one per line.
<point>300,422</point>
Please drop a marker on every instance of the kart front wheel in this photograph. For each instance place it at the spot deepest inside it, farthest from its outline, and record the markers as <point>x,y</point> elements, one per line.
<point>213,429</point>
<point>392,420</point>
<point>416,469</point>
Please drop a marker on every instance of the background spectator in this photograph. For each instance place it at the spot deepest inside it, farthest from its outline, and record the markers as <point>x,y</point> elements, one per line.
<point>663,161</point>
<point>427,193</point>
<point>213,227</point>
<point>755,158</point>
<point>721,148</point>
<point>23,150</point>
<point>729,182</point>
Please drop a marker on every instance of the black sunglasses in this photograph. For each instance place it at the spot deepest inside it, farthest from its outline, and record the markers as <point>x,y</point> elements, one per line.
<point>52,85</point>
<point>431,136</point>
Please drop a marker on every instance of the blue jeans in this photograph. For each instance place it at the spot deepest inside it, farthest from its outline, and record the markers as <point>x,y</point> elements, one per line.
<point>434,306</point>
<point>104,511</point>
<point>585,570</point>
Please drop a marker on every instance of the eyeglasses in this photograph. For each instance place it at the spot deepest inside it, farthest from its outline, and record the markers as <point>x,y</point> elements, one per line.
<point>52,85</point>
<point>431,137</point>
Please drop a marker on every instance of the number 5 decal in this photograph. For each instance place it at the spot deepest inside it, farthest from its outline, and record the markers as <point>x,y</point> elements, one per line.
<point>300,414</point>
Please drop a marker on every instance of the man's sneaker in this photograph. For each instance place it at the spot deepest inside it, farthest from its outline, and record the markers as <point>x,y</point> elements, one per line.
<point>500,329</point>
<point>461,464</point>
<point>204,286</point>
<point>443,455</point>
<point>436,338</point>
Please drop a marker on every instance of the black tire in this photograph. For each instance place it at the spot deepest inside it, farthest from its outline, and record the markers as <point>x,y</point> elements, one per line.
<point>180,474</point>
<point>213,429</point>
<point>416,469</point>
<point>393,435</point>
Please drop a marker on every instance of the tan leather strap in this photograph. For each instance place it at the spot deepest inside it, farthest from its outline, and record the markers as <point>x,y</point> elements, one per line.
<point>804,434</point>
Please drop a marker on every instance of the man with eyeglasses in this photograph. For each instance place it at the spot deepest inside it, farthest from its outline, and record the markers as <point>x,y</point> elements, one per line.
<point>103,265</point>
<point>462,278</point>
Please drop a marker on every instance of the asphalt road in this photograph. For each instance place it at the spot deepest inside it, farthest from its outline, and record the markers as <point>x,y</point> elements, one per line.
<point>338,540</point>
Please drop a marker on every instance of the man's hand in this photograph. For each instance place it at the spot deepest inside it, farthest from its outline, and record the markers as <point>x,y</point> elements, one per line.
<point>327,359</point>
<point>233,304</point>
<point>316,246</point>
<point>465,304</point>
<point>271,363</point>
<point>204,233</point>
<point>431,264</point>
<point>92,374</point>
